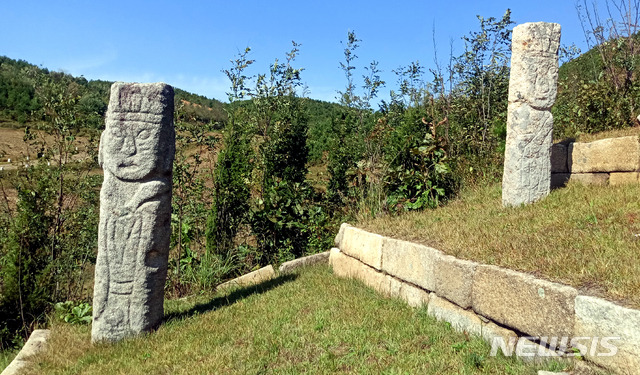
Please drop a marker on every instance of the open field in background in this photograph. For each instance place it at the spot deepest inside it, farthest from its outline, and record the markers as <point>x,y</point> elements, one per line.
<point>14,148</point>
<point>584,236</point>
<point>308,322</point>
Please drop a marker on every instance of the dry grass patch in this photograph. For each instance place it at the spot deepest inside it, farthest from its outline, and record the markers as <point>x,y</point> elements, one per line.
<point>308,323</point>
<point>609,134</point>
<point>585,236</point>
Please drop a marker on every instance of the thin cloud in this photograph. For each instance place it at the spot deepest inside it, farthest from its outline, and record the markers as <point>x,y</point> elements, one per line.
<point>84,65</point>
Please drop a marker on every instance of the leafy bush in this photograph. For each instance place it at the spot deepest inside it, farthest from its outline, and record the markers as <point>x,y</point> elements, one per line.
<point>231,191</point>
<point>27,283</point>
<point>588,100</point>
<point>51,231</point>
<point>74,313</point>
<point>599,90</point>
<point>418,177</point>
<point>232,176</point>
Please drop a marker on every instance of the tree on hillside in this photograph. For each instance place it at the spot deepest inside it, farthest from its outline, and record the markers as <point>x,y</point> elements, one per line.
<point>51,232</point>
<point>481,83</point>
<point>599,90</point>
<point>230,206</point>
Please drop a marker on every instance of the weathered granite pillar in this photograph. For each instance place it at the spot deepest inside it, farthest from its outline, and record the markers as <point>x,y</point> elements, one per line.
<point>532,92</point>
<point>136,153</point>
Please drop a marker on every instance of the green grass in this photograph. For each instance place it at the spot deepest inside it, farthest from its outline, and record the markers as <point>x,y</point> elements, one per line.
<point>584,236</point>
<point>312,322</point>
<point>6,357</point>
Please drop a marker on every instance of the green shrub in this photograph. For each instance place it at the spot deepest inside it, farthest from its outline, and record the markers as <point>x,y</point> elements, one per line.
<point>74,313</point>
<point>27,278</point>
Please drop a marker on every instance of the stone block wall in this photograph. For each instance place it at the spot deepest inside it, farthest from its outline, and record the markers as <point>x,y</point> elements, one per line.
<point>611,161</point>
<point>542,319</point>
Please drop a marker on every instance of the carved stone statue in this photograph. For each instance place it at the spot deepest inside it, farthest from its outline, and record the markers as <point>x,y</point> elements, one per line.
<point>532,91</point>
<point>136,153</point>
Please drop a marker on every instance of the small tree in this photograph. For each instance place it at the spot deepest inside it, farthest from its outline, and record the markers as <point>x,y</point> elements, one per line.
<point>27,278</point>
<point>232,176</point>
<point>192,168</point>
<point>52,228</point>
<point>481,76</point>
<point>280,219</point>
<point>599,90</point>
<point>350,128</point>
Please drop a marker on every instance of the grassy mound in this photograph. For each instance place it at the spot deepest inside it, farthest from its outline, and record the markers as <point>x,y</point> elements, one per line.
<point>310,322</point>
<point>584,236</point>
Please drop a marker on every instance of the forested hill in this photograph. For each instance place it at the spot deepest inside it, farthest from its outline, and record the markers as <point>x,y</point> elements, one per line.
<point>599,90</point>
<point>23,87</point>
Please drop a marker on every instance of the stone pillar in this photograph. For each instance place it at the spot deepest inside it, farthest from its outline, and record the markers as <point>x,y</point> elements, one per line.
<point>532,92</point>
<point>136,153</point>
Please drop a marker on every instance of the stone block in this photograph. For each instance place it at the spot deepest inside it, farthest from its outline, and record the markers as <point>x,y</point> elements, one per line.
<point>337,241</point>
<point>410,262</point>
<point>411,294</point>
<point>293,265</point>
<point>460,319</point>
<point>597,318</point>
<point>623,178</point>
<point>454,279</point>
<point>620,154</point>
<point>601,179</point>
<point>510,344</point>
<point>532,306</point>
<point>492,331</point>
<point>346,266</point>
<point>529,351</point>
<point>36,343</point>
<point>559,180</point>
<point>362,245</point>
<point>252,278</point>
<point>414,296</point>
<point>376,280</point>
<point>395,286</point>
<point>16,367</point>
<point>559,158</point>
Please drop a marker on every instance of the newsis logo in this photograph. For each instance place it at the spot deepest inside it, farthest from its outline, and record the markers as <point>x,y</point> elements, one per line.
<point>526,346</point>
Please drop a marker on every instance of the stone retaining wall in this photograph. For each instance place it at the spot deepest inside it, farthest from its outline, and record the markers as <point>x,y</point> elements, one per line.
<point>611,161</point>
<point>493,302</point>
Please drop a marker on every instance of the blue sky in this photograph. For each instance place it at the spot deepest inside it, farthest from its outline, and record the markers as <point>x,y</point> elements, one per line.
<point>188,43</point>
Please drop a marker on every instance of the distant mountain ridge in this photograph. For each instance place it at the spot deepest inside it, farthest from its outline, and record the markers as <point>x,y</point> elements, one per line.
<point>21,100</point>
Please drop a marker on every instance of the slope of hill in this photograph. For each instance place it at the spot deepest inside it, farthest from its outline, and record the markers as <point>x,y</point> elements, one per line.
<point>599,90</point>
<point>23,87</point>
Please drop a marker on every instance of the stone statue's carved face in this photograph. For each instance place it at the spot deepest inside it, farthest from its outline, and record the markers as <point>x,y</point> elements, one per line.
<point>131,150</point>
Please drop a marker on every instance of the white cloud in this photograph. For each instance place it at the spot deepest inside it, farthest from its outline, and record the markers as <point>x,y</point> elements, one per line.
<point>85,65</point>
<point>209,86</point>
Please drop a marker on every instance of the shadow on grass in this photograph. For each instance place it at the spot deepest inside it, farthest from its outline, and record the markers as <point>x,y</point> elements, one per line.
<point>231,298</point>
